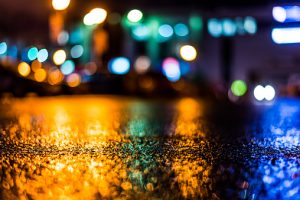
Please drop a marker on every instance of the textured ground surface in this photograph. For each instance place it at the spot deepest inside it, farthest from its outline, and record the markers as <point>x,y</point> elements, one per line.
<point>96,147</point>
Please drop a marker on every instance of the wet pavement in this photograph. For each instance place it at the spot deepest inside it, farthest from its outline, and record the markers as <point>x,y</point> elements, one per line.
<point>106,147</point>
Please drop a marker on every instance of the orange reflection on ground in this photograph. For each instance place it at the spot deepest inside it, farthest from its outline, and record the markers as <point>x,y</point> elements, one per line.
<point>187,124</point>
<point>89,147</point>
<point>55,121</point>
<point>192,177</point>
<point>64,177</point>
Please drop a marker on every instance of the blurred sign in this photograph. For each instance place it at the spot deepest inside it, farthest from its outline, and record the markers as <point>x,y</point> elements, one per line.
<point>231,27</point>
<point>284,14</point>
<point>287,15</point>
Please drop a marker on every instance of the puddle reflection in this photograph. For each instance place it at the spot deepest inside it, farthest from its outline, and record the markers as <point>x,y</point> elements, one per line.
<point>111,147</point>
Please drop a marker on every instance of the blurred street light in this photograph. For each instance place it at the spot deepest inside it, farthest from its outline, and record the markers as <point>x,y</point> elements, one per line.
<point>95,16</point>
<point>188,53</point>
<point>60,4</point>
<point>59,57</point>
<point>24,69</point>
<point>40,75</point>
<point>119,66</point>
<point>135,16</point>
<point>238,88</point>
<point>268,93</point>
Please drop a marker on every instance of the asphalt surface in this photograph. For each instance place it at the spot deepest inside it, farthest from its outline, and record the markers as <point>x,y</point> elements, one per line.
<point>107,147</point>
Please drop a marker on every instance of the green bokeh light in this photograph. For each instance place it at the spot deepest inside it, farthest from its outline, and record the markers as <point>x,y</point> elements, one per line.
<point>239,88</point>
<point>196,23</point>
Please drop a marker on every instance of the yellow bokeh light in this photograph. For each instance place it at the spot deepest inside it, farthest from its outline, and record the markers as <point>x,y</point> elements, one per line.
<point>188,53</point>
<point>24,69</point>
<point>59,57</point>
<point>35,65</point>
<point>40,75</point>
<point>73,80</point>
<point>60,4</point>
<point>95,16</point>
<point>135,15</point>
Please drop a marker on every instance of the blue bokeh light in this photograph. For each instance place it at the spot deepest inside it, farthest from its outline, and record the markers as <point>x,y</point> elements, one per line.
<point>3,48</point>
<point>229,27</point>
<point>67,67</point>
<point>166,31</point>
<point>141,32</point>
<point>32,53</point>
<point>181,30</point>
<point>77,51</point>
<point>120,65</point>
<point>42,55</point>
<point>214,27</point>
<point>250,25</point>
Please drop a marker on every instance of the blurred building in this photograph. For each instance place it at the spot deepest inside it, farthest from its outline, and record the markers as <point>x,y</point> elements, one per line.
<point>163,41</point>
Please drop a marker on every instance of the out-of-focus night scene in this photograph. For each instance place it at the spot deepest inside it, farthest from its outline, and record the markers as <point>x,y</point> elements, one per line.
<point>140,99</point>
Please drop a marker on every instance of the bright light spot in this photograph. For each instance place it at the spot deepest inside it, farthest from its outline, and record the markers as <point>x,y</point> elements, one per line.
<point>3,48</point>
<point>40,75</point>
<point>292,13</point>
<point>165,31</point>
<point>141,32</point>
<point>73,80</point>
<point>88,19</point>
<point>55,76</point>
<point>77,51</point>
<point>229,27</point>
<point>181,30</point>
<point>24,69</point>
<point>68,67</point>
<point>279,14</point>
<point>32,53</point>
<point>120,65</point>
<point>42,55</point>
<point>259,93</point>
<point>286,35</point>
<point>239,88</point>
<point>59,57</point>
<point>60,4</point>
<point>250,25</point>
<point>171,69</point>
<point>214,27</point>
<point>63,38</point>
<point>188,53</point>
<point>90,68</point>
<point>142,64</point>
<point>135,16</point>
<point>99,15</point>
<point>269,93</point>
<point>35,65</point>
<point>95,16</point>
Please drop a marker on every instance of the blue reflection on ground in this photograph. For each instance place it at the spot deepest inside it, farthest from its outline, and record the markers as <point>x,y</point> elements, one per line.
<point>279,125</point>
<point>277,132</point>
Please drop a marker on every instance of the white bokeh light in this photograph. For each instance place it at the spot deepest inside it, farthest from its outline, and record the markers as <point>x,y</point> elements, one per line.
<point>259,93</point>
<point>279,14</point>
<point>269,92</point>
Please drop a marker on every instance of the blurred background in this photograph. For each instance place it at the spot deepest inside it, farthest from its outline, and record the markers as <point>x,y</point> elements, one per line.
<point>232,50</point>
